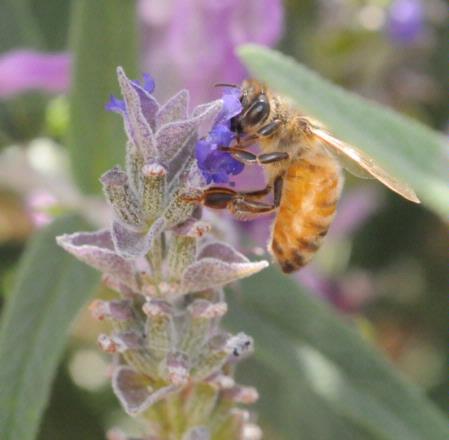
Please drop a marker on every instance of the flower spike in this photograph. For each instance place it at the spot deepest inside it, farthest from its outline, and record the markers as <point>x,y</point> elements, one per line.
<point>171,356</point>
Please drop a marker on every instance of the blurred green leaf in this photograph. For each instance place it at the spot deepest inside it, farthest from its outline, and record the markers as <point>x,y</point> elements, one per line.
<point>21,118</point>
<point>329,373</point>
<point>70,402</point>
<point>50,288</point>
<point>103,36</point>
<point>18,26</point>
<point>53,17</point>
<point>403,146</point>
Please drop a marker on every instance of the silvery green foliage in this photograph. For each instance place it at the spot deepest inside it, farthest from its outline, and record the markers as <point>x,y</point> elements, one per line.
<point>170,350</point>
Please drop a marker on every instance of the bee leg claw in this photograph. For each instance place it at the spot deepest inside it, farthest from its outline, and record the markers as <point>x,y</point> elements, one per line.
<point>193,197</point>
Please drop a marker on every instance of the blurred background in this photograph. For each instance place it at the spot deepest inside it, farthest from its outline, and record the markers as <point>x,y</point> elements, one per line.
<point>384,264</point>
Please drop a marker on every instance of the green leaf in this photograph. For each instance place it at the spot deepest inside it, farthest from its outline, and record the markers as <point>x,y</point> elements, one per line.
<point>50,289</point>
<point>103,36</point>
<point>21,117</point>
<point>405,147</point>
<point>18,26</point>
<point>323,360</point>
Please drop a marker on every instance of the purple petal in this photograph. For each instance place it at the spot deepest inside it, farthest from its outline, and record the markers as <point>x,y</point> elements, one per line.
<point>24,70</point>
<point>147,84</point>
<point>221,135</point>
<point>203,149</point>
<point>115,105</point>
<point>231,104</point>
<point>217,165</point>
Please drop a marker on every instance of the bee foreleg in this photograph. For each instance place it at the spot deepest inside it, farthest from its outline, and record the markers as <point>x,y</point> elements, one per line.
<point>276,156</point>
<point>269,129</point>
<point>277,192</point>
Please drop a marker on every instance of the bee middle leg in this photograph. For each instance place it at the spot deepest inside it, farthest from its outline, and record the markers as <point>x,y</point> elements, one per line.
<point>260,159</point>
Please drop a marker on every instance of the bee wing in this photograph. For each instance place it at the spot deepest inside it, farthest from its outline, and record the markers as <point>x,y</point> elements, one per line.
<point>362,165</point>
<point>348,164</point>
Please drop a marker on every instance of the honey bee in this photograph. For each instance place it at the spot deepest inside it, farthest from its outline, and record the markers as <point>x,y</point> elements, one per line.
<point>303,164</point>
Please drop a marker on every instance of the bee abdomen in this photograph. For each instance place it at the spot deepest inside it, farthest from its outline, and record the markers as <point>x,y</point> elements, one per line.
<point>308,204</point>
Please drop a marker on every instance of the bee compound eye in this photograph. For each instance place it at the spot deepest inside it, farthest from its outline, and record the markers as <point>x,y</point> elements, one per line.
<point>258,111</point>
<point>236,125</point>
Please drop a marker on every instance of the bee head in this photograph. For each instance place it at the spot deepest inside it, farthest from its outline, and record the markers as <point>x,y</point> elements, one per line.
<point>255,107</point>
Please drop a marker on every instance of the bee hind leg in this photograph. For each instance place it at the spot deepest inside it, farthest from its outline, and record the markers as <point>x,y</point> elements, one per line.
<point>243,205</point>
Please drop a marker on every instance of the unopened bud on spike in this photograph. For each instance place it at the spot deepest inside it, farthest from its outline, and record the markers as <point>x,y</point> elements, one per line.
<point>120,342</point>
<point>116,310</point>
<point>203,309</point>
<point>157,309</point>
<point>106,343</point>
<point>154,176</point>
<point>160,329</point>
<point>251,432</point>
<point>120,196</point>
<point>222,382</point>
<point>242,394</point>
<point>192,227</point>
<point>177,368</point>
<point>239,344</point>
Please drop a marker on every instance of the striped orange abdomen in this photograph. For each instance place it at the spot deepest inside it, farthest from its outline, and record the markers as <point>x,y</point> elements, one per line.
<point>311,190</point>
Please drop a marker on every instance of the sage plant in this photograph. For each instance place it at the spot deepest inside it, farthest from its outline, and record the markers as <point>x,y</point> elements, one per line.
<point>173,364</point>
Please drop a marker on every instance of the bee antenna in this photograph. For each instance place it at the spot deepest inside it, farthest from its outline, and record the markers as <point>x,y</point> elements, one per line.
<point>234,86</point>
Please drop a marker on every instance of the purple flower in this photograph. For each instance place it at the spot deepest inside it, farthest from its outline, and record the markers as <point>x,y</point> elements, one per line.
<point>118,105</point>
<point>191,43</point>
<point>405,20</point>
<point>216,165</point>
<point>24,70</point>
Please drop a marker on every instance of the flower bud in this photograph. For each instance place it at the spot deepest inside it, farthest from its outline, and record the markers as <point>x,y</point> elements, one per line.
<point>120,196</point>
<point>116,310</point>
<point>160,329</point>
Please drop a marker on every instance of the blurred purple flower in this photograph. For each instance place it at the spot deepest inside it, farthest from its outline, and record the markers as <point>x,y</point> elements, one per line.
<point>187,43</point>
<point>40,205</point>
<point>347,293</point>
<point>354,210</point>
<point>405,20</point>
<point>215,165</point>
<point>24,70</point>
<point>191,43</point>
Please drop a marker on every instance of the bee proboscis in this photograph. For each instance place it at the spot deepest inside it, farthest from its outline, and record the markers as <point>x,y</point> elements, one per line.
<point>303,164</point>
